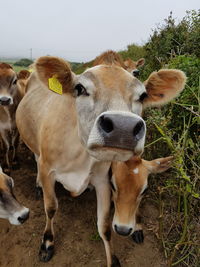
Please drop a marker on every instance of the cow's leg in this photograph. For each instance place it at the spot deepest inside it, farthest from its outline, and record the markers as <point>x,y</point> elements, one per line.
<point>103,219</point>
<point>15,145</point>
<point>138,236</point>
<point>38,186</point>
<point>51,205</point>
<point>6,147</point>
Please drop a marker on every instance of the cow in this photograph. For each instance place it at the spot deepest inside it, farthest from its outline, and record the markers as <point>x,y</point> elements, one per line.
<point>129,65</point>
<point>88,121</point>
<point>11,92</point>
<point>10,208</point>
<point>129,181</point>
<point>132,66</point>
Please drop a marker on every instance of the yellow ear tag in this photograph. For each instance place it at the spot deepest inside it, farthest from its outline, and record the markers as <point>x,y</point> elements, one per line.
<point>55,85</point>
<point>31,70</point>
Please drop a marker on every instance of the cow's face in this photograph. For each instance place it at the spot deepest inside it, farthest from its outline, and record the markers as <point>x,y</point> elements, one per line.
<point>109,112</point>
<point>9,207</point>
<point>128,184</point>
<point>8,84</point>
<point>132,66</point>
<point>109,102</point>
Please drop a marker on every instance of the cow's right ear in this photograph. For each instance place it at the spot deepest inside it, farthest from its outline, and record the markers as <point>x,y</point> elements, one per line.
<point>48,67</point>
<point>140,62</point>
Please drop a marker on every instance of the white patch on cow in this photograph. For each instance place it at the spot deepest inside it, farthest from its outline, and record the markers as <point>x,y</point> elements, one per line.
<point>13,219</point>
<point>136,170</point>
<point>158,162</point>
<point>1,169</point>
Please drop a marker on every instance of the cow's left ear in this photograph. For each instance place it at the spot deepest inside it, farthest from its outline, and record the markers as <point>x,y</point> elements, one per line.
<point>163,86</point>
<point>158,165</point>
<point>140,62</point>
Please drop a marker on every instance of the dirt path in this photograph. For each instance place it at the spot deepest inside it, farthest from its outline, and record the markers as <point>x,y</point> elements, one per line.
<point>75,230</point>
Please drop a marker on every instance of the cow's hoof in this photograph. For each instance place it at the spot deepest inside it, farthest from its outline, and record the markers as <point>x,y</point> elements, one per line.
<point>38,193</point>
<point>46,254</point>
<point>138,236</point>
<point>115,262</point>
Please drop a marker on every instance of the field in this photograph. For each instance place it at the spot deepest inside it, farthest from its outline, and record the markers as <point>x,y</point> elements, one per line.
<point>77,242</point>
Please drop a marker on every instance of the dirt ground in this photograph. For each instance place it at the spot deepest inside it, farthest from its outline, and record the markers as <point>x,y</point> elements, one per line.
<point>76,241</point>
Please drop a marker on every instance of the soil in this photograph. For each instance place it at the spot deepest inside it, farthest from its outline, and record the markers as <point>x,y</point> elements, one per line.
<point>76,240</point>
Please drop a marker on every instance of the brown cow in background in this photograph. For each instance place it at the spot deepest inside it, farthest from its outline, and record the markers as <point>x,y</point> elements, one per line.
<point>11,92</point>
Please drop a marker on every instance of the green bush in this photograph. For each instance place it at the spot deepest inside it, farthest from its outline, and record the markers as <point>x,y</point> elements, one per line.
<point>24,62</point>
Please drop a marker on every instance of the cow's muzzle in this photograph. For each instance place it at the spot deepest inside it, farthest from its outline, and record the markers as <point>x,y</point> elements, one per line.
<point>5,101</point>
<point>121,130</point>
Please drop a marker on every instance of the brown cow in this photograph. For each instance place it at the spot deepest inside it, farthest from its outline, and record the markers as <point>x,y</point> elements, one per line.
<point>11,92</point>
<point>10,208</point>
<point>95,118</point>
<point>128,183</point>
<point>132,66</point>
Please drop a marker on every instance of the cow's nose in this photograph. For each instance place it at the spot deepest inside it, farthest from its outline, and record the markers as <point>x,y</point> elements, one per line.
<point>136,73</point>
<point>5,101</point>
<point>121,131</point>
<point>22,218</point>
<point>123,230</point>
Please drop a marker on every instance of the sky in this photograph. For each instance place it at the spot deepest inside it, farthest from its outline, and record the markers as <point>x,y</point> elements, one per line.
<point>79,30</point>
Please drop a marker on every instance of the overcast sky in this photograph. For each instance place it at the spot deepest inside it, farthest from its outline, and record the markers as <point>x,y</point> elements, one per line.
<point>79,30</point>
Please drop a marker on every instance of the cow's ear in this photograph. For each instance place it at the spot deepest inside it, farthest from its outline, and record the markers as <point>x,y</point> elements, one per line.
<point>53,67</point>
<point>23,74</point>
<point>163,86</point>
<point>140,62</point>
<point>158,165</point>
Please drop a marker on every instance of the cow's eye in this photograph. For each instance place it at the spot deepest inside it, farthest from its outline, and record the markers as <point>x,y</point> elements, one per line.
<point>143,96</point>
<point>15,82</point>
<point>80,90</point>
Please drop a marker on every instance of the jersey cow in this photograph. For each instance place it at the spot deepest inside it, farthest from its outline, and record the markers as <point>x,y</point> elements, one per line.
<point>95,118</point>
<point>129,65</point>
<point>10,208</point>
<point>11,87</point>
<point>129,181</point>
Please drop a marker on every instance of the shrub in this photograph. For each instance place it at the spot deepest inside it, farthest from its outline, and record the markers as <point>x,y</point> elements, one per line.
<point>24,62</point>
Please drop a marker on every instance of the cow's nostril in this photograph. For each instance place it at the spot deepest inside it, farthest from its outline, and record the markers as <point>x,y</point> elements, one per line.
<point>106,124</point>
<point>123,230</point>
<point>136,73</point>
<point>138,130</point>
<point>23,218</point>
<point>4,101</point>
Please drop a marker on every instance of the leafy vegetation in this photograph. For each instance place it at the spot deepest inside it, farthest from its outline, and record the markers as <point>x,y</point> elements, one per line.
<point>24,62</point>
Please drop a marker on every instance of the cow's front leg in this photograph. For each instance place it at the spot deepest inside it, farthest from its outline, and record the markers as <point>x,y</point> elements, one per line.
<point>15,145</point>
<point>138,236</point>
<point>51,205</point>
<point>6,138</point>
<point>103,219</point>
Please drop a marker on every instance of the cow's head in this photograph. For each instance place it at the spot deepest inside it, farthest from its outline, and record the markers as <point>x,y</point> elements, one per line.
<point>132,66</point>
<point>109,103</point>
<point>129,183</point>
<point>9,207</point>
<point>8,84</point>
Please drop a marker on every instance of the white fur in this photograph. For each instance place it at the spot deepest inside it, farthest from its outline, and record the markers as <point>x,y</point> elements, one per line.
<point>136,170</point>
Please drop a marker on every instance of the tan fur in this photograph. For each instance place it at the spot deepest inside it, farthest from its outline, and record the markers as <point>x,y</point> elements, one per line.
<point>109,58</point>
<point>131,65</point>
<point>129,184</point>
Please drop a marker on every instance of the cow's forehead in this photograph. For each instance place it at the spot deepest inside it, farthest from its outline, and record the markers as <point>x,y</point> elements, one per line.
<point>5,72</point>
<point>111,77</point>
